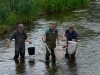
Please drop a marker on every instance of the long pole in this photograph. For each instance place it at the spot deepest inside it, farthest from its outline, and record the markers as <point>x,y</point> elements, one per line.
<point>48,48</point>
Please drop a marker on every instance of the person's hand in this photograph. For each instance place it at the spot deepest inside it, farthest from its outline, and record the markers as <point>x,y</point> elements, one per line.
<point>7,45</point>
<point>43,40</point>
<point>30,42</point>
<point>64,39</point>
<point>58,43</point>
<point>64,46</point>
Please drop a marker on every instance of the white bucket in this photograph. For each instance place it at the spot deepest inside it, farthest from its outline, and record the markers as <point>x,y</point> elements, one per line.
<point>59,53</point>
<point>71,47</point>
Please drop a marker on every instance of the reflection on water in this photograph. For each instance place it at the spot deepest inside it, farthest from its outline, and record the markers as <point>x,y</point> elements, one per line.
<point>72,67</point>
<point>31,62</point>
<point>51,68</point>
<point>20,66</point>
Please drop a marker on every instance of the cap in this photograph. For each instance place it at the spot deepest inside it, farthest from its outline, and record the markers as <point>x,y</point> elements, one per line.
<point>20,26</point>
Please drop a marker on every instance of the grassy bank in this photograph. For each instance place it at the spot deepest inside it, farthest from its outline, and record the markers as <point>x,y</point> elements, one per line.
<point>56,5</point>
<point>23,11</point>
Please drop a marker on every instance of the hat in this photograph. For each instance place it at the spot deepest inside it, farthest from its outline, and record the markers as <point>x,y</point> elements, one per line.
<point>20,26</point>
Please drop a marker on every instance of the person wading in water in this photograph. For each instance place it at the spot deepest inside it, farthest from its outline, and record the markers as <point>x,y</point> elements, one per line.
<point>70,35</point>
<point>20,36</point>
<point>51,35</point>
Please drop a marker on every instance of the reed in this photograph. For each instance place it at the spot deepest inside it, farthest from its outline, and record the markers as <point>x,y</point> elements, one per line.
<point>26,10</point>
<point>18,11</point>
<point>4,12</point>
<point>55,5</point>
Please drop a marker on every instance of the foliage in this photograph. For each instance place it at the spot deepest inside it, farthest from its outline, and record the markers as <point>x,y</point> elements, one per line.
<point>55,5</point>
<point>18,11</point>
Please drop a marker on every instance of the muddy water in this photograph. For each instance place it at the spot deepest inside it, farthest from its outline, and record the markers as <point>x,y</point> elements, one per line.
<point>86,23</point>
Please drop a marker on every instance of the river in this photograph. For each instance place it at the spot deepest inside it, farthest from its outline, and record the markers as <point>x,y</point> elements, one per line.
<point>87,62</point>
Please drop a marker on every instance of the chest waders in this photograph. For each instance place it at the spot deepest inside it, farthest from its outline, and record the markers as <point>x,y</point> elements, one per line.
<point>19,46</point>
<point>51,42</point>
<point>72,55</point>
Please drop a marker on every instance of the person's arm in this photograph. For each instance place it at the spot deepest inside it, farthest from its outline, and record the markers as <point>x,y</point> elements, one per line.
<point>8,43</point>
<point>57,40</point>
<point>64,36</point>
<point>43,37</point>
<point>64,39</point>
<point>74,40</point>
<point>11,37</point>
<point>28,40</point>
<point>65,46</point>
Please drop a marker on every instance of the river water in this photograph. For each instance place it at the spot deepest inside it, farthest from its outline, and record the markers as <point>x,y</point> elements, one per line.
<point>87,62</point>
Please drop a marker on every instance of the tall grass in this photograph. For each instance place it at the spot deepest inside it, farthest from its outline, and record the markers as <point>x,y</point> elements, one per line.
<point>13,11</point>
<point>26,9</point>
<point>55,5</point>
<point>4,12</point>
<point>18,11</point>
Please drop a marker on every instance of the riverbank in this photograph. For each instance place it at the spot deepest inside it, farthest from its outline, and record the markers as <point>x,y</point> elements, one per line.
<point>22,11</point>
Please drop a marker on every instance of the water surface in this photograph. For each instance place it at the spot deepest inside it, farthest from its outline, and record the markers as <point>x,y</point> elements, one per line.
<point>86,23</point>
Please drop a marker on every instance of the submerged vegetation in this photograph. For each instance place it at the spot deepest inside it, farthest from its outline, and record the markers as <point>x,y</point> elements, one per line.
<point>19,11</point>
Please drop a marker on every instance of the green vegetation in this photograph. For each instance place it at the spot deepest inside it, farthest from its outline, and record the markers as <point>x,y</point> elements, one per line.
<point>19,11</point>
<point>55,5</point>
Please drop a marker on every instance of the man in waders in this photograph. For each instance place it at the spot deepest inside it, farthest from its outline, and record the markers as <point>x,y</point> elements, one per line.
<point>70,35</point>
<point>20,36</point>
<point>51,35</point>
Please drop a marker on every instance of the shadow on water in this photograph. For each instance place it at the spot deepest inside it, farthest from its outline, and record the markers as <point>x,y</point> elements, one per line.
<point>72,67</point>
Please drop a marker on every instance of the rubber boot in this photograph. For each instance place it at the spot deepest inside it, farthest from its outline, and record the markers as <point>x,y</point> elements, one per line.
<point>47,58</point>
<point>67,55</point>
<point>53,58</point>
<point>16,56</point>
<point>73,55</point>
